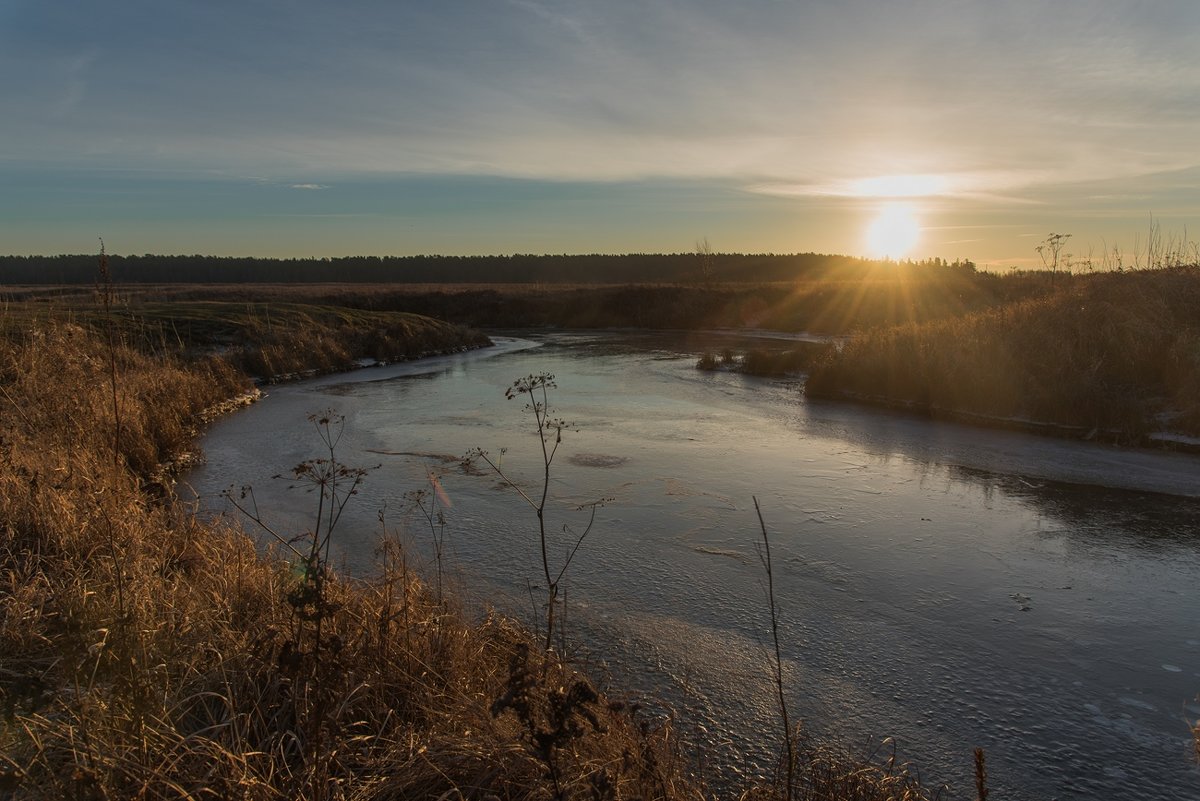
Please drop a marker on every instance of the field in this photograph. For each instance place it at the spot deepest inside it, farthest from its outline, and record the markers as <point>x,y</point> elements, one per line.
<point>872,295</point>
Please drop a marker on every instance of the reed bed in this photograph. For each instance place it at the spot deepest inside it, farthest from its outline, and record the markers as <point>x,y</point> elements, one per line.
<point>1112,355</point>
<point>263,339</point>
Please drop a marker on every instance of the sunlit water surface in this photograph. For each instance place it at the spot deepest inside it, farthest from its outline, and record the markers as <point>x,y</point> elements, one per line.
<point>948,587</point>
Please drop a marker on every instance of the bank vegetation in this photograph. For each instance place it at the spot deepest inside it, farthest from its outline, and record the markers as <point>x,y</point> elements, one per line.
<point>145,653</point>
<point>842,301</point>
<point>1113,356</point>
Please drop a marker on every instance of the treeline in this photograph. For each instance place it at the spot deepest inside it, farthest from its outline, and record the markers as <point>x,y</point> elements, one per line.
<point>518,268</point>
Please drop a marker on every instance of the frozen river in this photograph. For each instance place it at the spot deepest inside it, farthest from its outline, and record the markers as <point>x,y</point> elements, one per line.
<point>949,587</point>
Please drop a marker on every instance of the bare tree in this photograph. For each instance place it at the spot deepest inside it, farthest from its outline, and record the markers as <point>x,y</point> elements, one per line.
<point>704,253</point>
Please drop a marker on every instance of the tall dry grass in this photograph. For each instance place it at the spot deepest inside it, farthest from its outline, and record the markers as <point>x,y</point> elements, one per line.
<point>149,655</point>
<point>1116,353</point>
<point>266,340</point>
<point>146,654</point>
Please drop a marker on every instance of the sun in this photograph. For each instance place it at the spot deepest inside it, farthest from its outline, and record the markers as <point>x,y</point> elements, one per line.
<point>894,232</point>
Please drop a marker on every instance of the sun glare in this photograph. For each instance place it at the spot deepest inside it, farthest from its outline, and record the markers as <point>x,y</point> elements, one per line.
<point>893,232</point>
<point>900,186</point>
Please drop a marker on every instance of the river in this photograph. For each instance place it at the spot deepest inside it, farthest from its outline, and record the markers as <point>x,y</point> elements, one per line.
<point>944,586</point>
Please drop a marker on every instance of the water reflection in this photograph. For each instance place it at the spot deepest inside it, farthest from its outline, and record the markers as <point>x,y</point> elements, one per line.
<point>1152,522</point>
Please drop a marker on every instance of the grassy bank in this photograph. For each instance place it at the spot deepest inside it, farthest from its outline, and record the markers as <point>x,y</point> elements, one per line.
<point>1111,355</point>
<point>147,654</point>
<point>262,339</point>
<point>150,655</point>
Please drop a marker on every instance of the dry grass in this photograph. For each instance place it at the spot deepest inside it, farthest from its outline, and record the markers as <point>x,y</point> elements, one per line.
<point>885,294</point>
<point>262,339</point>
<point>821,773</point>
<point>146,654</point>
<point>1116,354</point>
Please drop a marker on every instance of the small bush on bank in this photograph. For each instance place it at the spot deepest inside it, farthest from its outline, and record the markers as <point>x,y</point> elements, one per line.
<point>780,363</point>
<point>765,361</point>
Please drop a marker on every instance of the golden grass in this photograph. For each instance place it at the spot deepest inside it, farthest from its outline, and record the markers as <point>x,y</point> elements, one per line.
<point>1116,354</point>
<point>147,654</point>
<point>263,339</point>
<point>822,773</point>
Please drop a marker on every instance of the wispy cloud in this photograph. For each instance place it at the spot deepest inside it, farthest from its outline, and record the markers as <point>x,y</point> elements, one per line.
<point>1006,105</point>
<point>795,98</point>
<point>337,216</point>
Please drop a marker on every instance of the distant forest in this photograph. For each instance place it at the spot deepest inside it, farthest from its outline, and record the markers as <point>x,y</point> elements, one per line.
<point>519,268</point>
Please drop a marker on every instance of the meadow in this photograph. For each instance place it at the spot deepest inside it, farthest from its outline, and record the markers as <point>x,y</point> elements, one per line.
<point>837,299</point>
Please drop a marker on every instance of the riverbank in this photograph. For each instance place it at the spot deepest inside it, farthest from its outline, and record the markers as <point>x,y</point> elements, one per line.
<point>268,341</point>
<point>1114,357</point>
<point>1110,357</point>
<point>150,654</point>
<point>901,547</point>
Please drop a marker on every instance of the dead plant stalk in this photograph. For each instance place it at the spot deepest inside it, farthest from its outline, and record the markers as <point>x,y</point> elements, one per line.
<point>765,556</point>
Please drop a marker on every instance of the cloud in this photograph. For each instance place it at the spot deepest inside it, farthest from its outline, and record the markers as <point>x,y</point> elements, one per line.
<point>995,186</point>
<point>788,99</point>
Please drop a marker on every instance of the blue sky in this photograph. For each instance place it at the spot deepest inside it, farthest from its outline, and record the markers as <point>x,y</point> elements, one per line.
<point>497,126</point>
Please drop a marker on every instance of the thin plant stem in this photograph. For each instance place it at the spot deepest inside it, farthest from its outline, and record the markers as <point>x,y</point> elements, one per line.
<point>783,710</point>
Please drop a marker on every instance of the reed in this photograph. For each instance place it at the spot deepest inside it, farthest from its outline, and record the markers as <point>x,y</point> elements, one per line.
<point>1114,355</point>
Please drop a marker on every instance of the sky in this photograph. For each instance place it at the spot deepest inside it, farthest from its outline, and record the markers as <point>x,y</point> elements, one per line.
<point>954,129</point>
